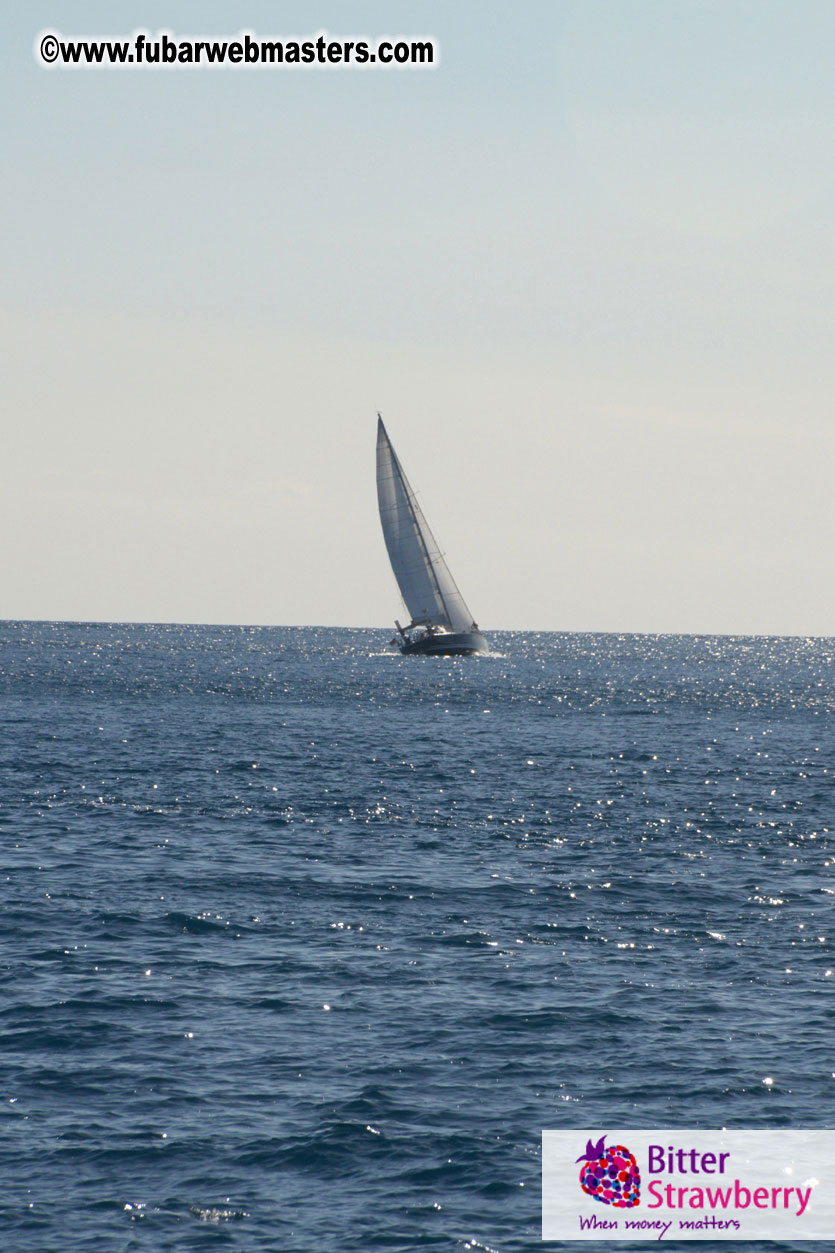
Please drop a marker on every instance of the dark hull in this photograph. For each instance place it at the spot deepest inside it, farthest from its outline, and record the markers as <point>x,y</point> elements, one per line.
<point>447,644</point>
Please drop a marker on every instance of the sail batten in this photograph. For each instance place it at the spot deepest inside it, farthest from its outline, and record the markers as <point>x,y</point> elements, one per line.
<point>428,589</point>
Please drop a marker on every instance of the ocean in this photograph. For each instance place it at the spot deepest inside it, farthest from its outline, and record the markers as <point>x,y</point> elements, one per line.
<point>304,943</point>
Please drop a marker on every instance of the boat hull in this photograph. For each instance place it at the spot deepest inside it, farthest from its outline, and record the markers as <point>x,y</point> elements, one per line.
<point>447,644</point>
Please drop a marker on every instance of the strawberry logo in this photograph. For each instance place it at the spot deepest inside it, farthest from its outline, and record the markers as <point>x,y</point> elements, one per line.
<point>610,1175</point>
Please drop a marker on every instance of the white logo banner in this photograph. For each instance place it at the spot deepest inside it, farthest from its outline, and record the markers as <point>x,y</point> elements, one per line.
<point>688,1185</point>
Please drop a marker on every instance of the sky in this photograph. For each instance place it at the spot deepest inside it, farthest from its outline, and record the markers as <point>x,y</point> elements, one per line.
<point>583,266</point>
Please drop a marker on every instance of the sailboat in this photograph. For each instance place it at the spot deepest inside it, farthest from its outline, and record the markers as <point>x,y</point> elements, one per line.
<point>441,624</point>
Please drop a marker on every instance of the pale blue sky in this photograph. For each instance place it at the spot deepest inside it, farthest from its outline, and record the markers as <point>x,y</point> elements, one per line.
<point>584,266</point>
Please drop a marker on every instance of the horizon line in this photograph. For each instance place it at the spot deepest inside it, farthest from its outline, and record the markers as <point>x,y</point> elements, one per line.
<point>318,626</point>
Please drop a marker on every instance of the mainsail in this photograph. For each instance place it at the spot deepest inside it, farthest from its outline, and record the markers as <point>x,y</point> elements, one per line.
<point>426,585</point>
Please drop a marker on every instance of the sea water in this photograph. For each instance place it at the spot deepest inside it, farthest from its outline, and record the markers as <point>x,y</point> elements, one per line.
<point>304,943</point>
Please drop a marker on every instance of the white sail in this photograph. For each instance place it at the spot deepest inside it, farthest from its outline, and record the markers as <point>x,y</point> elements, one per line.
<point>426,585</point>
